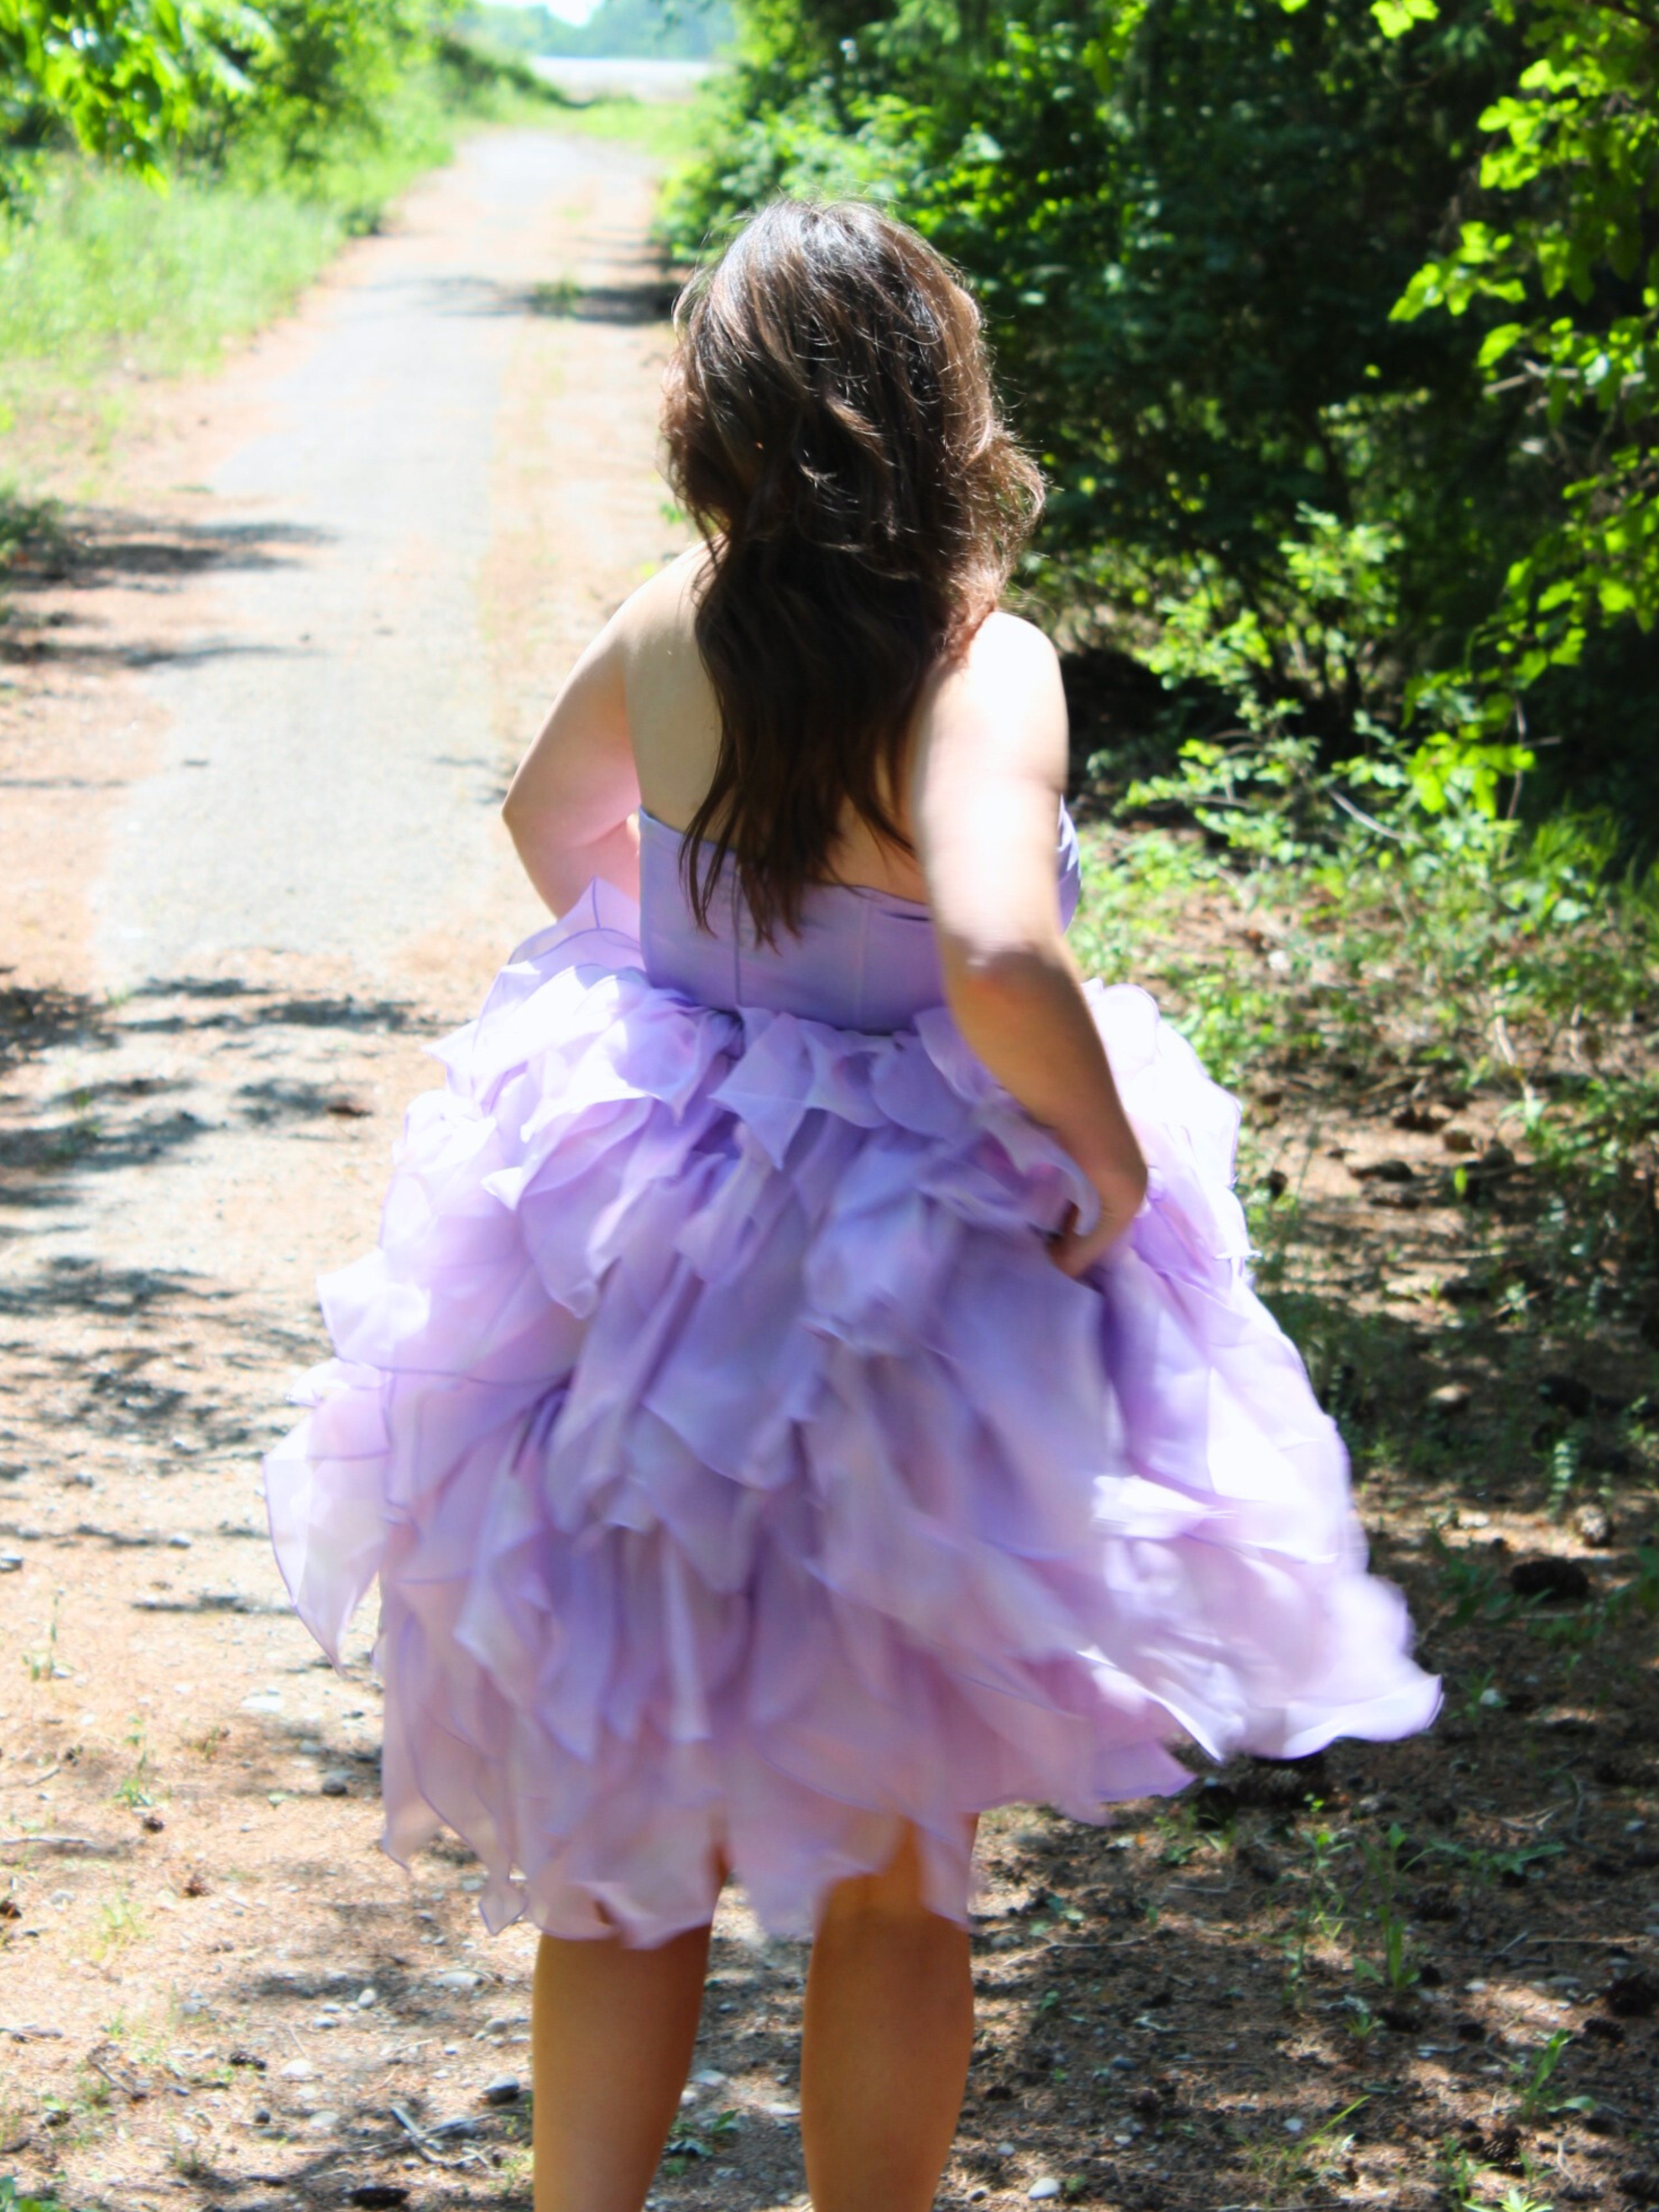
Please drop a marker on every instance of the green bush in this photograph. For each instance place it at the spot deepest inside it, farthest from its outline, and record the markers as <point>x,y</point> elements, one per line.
<point>1214,241</point>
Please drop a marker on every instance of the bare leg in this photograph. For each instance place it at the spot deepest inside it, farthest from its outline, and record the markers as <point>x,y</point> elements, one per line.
<point>614,2032</point>
<point>889,2032</point>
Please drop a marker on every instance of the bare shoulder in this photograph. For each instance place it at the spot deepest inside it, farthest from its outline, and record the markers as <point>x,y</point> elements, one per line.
<point>660,612</point>
<point>1007,645</point>
<point>997,707</point>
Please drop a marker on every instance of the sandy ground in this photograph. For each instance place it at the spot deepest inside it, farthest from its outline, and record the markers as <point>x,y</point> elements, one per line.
<point>253,727</point>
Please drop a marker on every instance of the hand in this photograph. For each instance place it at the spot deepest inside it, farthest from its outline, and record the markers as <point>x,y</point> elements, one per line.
<point>1121,1193</point>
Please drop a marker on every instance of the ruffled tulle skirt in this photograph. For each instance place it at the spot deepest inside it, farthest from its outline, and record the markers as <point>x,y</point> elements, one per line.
<point>742,1478</point>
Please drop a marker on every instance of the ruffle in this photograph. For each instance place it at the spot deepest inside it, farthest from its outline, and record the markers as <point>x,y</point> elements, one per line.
<point>742,1481</point>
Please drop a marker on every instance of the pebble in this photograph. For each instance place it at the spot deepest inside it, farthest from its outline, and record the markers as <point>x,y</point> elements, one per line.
<point>1594,1525</point>
<point>505,2089</point>
<point>709,2077</point>
<point>337,1782</point>
<point>1451,1398</point>
<point>457,1978</point>
<point>262,1701</point>
<point>262,2115</point>
<point>297,2069</point>
<point>1047,2187</point>
<point>179,1542</point>
<point>781,2111</point>
<point>322,2124</point>
<point>10,1562</point>
<point>1122,2064</point>
<point>366,1997</point>
<point>1294,2127</point>
<point>1005,2150</point>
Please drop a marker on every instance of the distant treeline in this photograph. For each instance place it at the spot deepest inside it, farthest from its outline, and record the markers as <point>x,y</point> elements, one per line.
<point>681,30</point>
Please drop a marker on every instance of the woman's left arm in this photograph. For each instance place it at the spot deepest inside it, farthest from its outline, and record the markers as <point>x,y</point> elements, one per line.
<point>569,809</point>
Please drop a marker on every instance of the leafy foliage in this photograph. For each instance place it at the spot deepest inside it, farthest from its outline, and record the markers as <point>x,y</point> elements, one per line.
<point>1560,267</point>
<point>1293,382</point>
<point>285,85</point>
<point>114,75</point>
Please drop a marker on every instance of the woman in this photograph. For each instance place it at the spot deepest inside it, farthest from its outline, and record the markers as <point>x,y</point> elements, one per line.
<point>808,1391</point>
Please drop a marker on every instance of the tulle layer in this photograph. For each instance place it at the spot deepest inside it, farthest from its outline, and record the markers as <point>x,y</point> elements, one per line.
<point>742,1478</point>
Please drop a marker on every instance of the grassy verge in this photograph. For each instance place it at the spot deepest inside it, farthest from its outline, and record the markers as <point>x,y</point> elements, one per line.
<point>668,130</point>
<point>1445,1031</point>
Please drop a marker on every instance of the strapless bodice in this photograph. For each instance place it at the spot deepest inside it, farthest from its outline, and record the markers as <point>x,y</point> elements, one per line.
<point>864,960</point>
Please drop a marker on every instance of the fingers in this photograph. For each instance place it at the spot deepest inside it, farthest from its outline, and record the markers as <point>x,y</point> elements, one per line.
<point>1073,1254</point>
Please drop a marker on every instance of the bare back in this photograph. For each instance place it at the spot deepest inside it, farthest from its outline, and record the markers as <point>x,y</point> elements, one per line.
<point>673,722</point>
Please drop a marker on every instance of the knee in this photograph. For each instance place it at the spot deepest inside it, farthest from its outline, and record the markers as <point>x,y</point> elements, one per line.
<point>896,1893</point>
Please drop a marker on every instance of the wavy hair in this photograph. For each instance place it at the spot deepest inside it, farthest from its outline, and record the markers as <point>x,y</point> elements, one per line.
<point>833,430</point>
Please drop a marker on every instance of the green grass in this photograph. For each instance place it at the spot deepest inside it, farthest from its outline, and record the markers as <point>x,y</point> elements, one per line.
<point>111,273</point>
<point>668,129</point>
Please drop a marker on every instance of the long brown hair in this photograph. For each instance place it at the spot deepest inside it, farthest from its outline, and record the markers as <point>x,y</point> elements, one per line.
<point>833,430</point>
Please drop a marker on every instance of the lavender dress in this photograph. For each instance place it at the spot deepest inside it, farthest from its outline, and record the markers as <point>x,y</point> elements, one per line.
<point>742,1477</point>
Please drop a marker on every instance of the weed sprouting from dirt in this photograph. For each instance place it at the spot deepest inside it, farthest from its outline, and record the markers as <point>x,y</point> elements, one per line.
<point>121,1925</point>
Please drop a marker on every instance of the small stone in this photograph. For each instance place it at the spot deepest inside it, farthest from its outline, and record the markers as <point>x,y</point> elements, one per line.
<point>366,1997</point>
<point>179,1542</point>
<point>1294,2127</point>
<point>297,2069</point>
<point>322,2124</point>
<point>1451,1398</point>
<point>10,1562</point>
<point>262,1701</point>
<point>1493,1700</point>
<point>1005,2150</point>
<point>709,2077</point>
<point>337,1782</point>
<point>1040,2190</point>
<point>1122,2064</point>
<point>461,1978</point>
<point>1594,1525</point>
<point>505,2089</point>
<point>781,2111</point>
<point>262,2115</point>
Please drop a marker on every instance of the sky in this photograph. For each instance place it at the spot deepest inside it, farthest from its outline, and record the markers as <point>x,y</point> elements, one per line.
<point>568,12</point>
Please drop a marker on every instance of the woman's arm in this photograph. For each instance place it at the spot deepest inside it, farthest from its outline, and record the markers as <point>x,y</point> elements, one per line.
<point>990,768</point>
<point>569,809</point>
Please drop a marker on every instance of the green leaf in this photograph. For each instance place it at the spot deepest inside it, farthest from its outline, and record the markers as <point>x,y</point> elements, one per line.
<point>1396,17</point>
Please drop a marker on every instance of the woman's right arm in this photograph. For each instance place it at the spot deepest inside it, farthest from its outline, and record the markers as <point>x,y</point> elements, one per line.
<point>990,768</point>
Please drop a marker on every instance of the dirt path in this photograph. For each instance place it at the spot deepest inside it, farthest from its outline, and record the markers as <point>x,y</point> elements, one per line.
<point>253,742</point>
<point>254,726</point>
